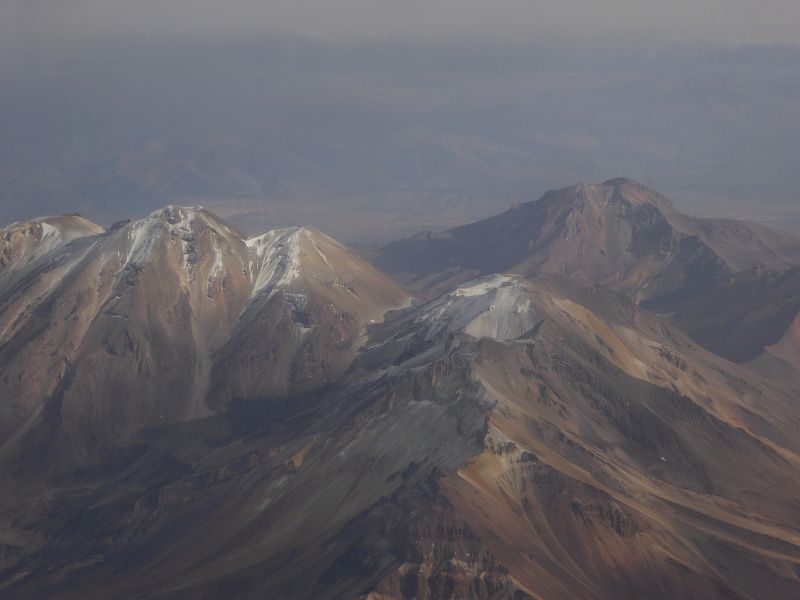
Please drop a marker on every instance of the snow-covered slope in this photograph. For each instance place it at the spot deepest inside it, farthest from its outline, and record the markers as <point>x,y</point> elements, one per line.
<point>496,307</point>
<point>23,242</point>
<point>310,302</point>
<point>129,327</point>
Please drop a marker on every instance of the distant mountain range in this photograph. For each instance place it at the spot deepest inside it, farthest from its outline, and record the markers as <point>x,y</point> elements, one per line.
<point>587,396</point>
<point>376,141</point>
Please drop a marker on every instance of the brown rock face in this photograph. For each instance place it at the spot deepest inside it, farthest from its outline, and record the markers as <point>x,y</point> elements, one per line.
<point>301,336</point>
<point>618,233</point>
<point>189,414</point>
<point>122,330</point>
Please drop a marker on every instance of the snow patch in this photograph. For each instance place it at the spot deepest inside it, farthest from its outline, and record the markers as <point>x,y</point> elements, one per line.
<point>178,222</point>
<point>483,287</point>
<point>319,251</point>
<point>52,238</point>
<point>346,288</point>
<point>498,308</point>
<point>218,266</point>
<point>274,259</point>
<point>142,238</point>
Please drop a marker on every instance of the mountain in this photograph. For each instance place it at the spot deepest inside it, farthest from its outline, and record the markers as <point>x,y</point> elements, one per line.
<point>191,414</point>
<point>114,331</point>
<point>731,285</point>
<point>21,243</point>
<point>608,459</point>
<point>618,233</point>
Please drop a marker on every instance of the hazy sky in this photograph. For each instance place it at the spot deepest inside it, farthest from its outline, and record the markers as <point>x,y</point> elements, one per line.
<point>49,23</point>
<point>325,109</point>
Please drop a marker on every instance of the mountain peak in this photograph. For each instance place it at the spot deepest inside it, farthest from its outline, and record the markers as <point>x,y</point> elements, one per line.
<point>178,216</point>
<point>179,227</point>
<point>180,273</point>
<point>26,240</point>
<point>618,233</point>
<point>69,226</point>
<point>173,213</point>
<point>496,307</point>
<point>614,193</point>
<point>636,193</point>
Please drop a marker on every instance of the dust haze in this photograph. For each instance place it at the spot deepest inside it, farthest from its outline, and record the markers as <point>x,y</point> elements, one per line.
<point>359,299</point>
<point>373,120</point>
<point>736,21</point>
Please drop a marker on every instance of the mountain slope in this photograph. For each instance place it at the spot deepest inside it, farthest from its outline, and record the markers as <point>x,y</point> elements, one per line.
<point>511,439</point>
<point>121,330</point>
<point>618,233</point>
<point>191,414</point>
<point>310,303</point>
<point>744,316</point>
